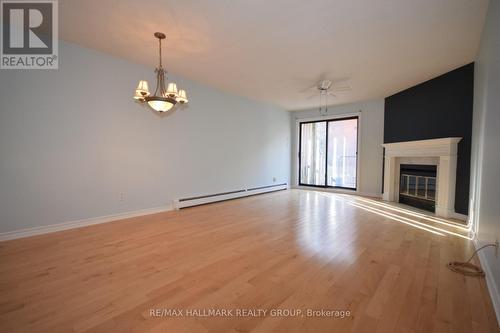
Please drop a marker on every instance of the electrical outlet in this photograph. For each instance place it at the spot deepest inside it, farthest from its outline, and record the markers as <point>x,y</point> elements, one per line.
<point>274,179</point>
<point>121,196</point>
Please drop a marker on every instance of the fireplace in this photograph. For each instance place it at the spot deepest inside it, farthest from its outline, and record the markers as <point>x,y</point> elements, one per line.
<point>417,186</point>
<point>441,154</point>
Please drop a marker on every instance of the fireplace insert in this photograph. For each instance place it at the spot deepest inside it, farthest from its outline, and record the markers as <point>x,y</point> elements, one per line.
<point>417,186</point>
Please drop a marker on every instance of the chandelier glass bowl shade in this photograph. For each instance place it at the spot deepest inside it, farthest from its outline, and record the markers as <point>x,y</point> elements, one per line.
<point>165,97</point>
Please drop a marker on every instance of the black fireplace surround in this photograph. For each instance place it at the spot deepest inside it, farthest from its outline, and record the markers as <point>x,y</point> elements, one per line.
<point>417,186</point>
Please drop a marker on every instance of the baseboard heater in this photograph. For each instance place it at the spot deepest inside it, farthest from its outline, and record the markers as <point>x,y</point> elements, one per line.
<point>209,198</point>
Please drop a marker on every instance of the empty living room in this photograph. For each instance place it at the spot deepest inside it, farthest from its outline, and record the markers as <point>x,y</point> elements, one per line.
<point>250,166</point>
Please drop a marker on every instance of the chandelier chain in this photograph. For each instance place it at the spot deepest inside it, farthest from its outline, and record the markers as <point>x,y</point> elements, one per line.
<point>159,42</point>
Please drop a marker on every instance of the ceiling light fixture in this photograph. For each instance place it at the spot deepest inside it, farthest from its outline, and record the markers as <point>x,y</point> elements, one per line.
<point>163,99</point>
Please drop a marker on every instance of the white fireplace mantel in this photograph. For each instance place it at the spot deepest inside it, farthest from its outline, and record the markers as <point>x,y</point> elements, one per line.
<point>440,152</point>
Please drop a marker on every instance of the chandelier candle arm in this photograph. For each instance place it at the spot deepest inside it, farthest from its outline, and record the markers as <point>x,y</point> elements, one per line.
<point>163,99</point>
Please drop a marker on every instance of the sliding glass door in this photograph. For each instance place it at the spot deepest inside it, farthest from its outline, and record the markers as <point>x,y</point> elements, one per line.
<point>328,153</point>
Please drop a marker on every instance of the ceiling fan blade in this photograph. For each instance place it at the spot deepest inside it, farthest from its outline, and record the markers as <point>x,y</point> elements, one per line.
<point>312,96</point>
<point>331,94</point>
<point>313,84</point>
<point>342,84</point>
<point>342,88</point>
<point>308,89</point>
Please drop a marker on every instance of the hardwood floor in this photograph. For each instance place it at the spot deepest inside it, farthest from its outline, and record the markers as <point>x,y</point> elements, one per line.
<point>286,250</point>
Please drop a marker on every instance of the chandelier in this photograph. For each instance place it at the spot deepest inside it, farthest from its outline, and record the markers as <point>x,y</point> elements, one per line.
<point>163,99</point>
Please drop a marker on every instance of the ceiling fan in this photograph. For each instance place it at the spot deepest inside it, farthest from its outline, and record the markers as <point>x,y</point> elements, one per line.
<point>326,88</point>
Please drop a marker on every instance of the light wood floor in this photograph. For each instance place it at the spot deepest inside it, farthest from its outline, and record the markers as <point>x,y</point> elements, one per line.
<point>285,250</point>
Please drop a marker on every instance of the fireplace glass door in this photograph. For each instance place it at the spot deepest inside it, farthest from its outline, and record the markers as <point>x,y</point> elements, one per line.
<point>417,186</point>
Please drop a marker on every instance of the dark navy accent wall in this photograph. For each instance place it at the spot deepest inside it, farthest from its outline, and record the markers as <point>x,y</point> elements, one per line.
<point>438,108</point>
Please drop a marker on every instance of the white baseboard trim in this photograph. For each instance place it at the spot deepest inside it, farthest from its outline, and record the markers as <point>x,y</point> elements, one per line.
<point>490,281</point>
<point>21,233</point>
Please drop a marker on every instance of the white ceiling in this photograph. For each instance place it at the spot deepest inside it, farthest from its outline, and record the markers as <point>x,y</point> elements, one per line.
<point>274,50</point>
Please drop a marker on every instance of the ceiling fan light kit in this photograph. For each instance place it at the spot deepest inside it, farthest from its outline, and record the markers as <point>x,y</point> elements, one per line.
<point>324,84</point>
<point>163,99</point>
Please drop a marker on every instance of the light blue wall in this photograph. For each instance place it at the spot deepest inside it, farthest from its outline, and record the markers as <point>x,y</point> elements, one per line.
<point>485,179</point>
<point>72,140</point>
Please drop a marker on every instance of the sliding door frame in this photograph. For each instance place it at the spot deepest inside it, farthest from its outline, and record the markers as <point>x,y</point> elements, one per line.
<point>327,119</point>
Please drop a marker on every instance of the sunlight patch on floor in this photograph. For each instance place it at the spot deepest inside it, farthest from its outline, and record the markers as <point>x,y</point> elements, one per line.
<point>395,213</point>
<point>415,214</point>
<point>407,220</point>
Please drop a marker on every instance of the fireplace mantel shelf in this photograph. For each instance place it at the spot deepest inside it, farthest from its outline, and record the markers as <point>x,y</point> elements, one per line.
<point>430,148</point>
<point>440,152</point>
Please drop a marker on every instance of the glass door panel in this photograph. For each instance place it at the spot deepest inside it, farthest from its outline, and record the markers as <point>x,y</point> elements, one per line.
<point>342,153</point>
<point>312,153</point>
